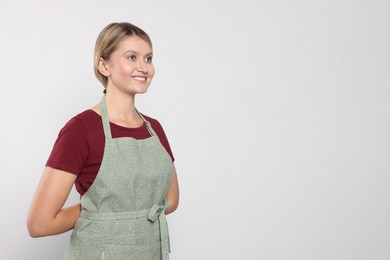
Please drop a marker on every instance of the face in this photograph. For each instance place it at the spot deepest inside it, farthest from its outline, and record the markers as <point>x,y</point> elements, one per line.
<point>129,68</point>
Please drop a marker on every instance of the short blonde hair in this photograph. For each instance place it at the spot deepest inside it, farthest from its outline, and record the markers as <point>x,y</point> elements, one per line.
<point>108,41</point>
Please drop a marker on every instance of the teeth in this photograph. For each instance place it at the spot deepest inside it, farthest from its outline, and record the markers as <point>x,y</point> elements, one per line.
<point>139,78</point>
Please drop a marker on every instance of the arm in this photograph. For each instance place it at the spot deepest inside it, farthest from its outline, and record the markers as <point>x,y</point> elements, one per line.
<point>173,193</point>
<point>46,215</point>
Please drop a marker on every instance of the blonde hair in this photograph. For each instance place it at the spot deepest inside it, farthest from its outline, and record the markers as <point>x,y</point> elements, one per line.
<point>108,41</point>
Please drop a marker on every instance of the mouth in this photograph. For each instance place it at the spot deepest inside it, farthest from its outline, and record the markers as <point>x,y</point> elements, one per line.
<point>138,78</point>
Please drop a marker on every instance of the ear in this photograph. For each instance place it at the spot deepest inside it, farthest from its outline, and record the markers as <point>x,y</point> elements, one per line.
<point>103,68</point>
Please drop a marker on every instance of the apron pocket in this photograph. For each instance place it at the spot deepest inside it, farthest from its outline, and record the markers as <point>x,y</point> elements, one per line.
<point>142,252</point>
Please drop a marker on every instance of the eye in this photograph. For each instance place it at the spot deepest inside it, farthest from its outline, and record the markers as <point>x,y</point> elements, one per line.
<point>132,57</point>
<point>149,59</point>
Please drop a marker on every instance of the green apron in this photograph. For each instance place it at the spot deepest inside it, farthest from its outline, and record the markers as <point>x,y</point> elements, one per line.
<point>122,214</point>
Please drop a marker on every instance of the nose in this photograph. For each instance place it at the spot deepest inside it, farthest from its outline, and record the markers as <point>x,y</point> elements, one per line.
<point>141,66</point>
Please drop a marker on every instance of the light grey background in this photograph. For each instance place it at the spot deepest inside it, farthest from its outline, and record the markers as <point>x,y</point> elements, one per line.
<point>277,112</point>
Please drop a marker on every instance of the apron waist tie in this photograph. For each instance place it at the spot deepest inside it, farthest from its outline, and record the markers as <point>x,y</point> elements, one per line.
<point>152,214</point>
<point>158,212</point>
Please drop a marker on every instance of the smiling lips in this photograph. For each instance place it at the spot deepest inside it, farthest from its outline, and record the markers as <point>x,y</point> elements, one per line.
<point>138,78</point>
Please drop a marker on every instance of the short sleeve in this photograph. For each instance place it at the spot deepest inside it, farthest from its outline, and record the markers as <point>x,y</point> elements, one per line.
<point>70,151</point>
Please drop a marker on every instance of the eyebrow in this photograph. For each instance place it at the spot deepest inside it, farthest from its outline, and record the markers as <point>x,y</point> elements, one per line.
<point>150,53</point>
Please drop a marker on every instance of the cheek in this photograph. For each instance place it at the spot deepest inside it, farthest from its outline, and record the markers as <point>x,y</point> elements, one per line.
<point>122,70</point>
<point>151,71</point>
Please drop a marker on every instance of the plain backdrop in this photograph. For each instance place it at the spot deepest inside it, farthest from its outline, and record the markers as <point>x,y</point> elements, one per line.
<point>277,112</point>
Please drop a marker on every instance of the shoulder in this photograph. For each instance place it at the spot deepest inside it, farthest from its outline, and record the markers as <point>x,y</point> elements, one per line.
<point>157,127</point>
<point>154,122</point>
<point>81,127</point>
<point>84,120</point>
<point>88,116</point>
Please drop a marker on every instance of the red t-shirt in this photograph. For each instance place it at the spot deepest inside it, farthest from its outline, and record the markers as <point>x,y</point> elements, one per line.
<point>80,144</point>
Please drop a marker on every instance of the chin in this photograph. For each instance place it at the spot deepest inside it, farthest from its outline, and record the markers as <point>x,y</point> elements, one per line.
<point>141,91</point>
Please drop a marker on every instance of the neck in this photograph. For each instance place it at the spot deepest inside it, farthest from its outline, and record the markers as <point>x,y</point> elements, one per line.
<point>121,108</point>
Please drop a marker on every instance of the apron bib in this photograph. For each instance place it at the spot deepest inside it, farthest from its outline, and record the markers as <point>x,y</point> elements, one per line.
<point>122,214</point>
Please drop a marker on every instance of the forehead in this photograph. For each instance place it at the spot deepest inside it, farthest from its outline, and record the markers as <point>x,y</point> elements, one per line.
<point>134,43</point>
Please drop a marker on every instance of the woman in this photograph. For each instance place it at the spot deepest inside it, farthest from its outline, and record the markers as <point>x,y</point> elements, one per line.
<point>119,160</point>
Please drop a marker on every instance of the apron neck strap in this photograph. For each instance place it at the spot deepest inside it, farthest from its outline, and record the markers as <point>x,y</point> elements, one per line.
<point>106,122</point>
<point>104,115</point>
<point>148,125</point>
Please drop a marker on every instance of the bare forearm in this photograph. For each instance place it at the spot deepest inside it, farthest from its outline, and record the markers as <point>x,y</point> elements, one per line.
<point>63,221</point>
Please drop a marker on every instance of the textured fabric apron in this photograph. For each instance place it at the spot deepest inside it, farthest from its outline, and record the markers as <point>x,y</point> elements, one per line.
<point>122,214</point>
